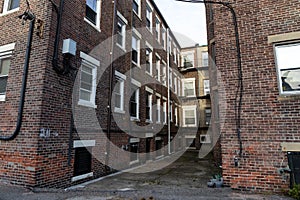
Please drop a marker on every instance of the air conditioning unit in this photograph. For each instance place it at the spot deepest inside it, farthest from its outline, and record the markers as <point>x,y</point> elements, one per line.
<point>205,139</point>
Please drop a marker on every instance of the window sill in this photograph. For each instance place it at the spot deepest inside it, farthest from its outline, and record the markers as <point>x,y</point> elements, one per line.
<point>149,121</point>
<point>150,74</point>
<point>87,104</point>
<point>288,97</point>
<point>2,98</point>
<point>93,25</point>
<point>134,162</point>
<point>9,12</point>
<point>134,119</point>
<point>138,16</point>
<point>121,47</point>
<point>136,64</point>
<point>117,110</point>
<point>84,176</point>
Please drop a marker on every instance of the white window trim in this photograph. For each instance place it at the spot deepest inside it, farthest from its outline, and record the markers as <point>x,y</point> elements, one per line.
<point>92,62</point>
<point>137,99</point>
<point>186,53</point>
<point>5,10</point>
<point>157,66</point>
<point>186,108</point>
<point>189,80</point>
<point>151,16</point>
<point>157,28</point>
<point>150,59</point>
<point>176,115</point>
<point>6,52</point>
<point>150,111</point>
<point>170,78</point>
<point>165,111</point>
<point>123,46</point>
<point>98,17</point>
<point>278,69</point>
<point>138,36</point>
<point>175,84</point>
<point>164,37</point>
<point>122,87</point>
<point>139,8</point>
<point>84,143</point>
<point>164,75</point>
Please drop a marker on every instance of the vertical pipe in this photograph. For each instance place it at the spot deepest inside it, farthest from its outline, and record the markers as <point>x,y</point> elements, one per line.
<point>168,88</point>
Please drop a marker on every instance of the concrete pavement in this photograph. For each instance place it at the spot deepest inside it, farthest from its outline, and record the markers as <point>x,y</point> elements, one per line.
<point>184,179</point>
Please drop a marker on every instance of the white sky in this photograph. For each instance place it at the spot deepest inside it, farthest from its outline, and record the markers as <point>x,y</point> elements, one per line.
<point>187,19</point>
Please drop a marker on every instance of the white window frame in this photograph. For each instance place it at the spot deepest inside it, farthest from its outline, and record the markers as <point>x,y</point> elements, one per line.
<point>158,106</point>
<point>205,59</point>
<point>123,31</point>
<point>165,110</point>
<point>171,111</point>
<point>148,46</point>
<point>193,80</point>
<point>151,15</point>
<point>137,36</point>
<point>157,65</point>
<point>179,86</point>
<point>175,84</point>
<point>149,92</point>
<point>287,61</point>
<point>157,28</point>
<point>189,108</point>
<point>137,85</point>
<point>138,2</point>
<point>98,17</point>
<point>121,80</point>
<point>164,75</point>
<point>6,51</point>
<point>170,78</point>
<point>206,87</point>
<point>163,38</point>
<point>176,115</point>
<point>93,64</point>
<point>186,54</point>
<point>5,10</point>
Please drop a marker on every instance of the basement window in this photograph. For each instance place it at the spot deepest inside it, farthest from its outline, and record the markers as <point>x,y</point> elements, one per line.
<point>288,68</point>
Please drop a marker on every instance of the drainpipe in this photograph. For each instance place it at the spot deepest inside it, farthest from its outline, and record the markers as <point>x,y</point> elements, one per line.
<point>168,87</point>
<point>31,17</point>
<point>57,38</point>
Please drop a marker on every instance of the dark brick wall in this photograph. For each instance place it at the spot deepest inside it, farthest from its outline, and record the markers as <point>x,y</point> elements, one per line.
<point>267,118</point>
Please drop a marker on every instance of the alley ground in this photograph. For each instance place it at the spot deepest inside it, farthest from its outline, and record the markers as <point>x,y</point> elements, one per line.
<point>185,179</point>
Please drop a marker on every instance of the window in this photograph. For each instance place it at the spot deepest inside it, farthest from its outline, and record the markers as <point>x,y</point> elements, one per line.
<point>189,87</point>
<point>176,116</point>
<point>5,62</point>
<point>164,112</point>
<point>82,162</point>
<point>163,37</point>
<point>157,29</point>
<point>164,75</point>
<point>135,48</point>
<point>148,107</point>
<point>175,84</point>
<point>189,116</point>
<point>171,111</point>
<point>288,68</point>
<point>207,116</point>
<point>170,79</point>
<point>121,30</point>
<point>149,59</point>
<point>134,149</point>
<point>88,77</point>
<point>175,54</point>
<point>10,6</point>
<point>159,147</point>
<point>188,59</point>
<point>119,92</point>
<point>136,7</point>
<point>204,59</point>
<point>158,105</point>
<point>134,104</point>
<point>149,16</point>
<point>179,86</point>
<point>92,13</point>
<point>158,68</point>
<point>206,87</point>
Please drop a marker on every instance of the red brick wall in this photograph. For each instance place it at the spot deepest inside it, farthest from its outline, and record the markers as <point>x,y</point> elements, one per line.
<point>267,118</point>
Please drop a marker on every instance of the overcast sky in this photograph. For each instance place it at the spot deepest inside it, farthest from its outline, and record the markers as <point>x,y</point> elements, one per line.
<point>185,18</point>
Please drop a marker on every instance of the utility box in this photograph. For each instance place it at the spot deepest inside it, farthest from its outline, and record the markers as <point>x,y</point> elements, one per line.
<point>69,47</point>
<point>294,164</point>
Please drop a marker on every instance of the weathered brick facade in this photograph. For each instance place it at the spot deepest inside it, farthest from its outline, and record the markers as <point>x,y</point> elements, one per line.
<point>44,153</point>
<point>268,118</point>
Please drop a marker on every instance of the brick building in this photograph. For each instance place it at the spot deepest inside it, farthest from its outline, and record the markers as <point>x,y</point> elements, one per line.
<point>196,94</point>
<point>87,94</point>
<point>269,126</point>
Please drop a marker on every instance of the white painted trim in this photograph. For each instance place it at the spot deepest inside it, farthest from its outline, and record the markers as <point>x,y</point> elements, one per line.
<point>122,76</point>
<point>135,82</point>
<point>84,176</point>
<point>136,33</point>
<point>84,143</point>
<point>158,95</point>
<point>7,47</point>
<point>149,135</point>
<point>149,90</point>
<point>90,59</point>
<point>122,17</point>
<point>157,138</point>
<point>164,98</point>
<point>134,140</point>
<point>284,37</point>
<point>2,97</point>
